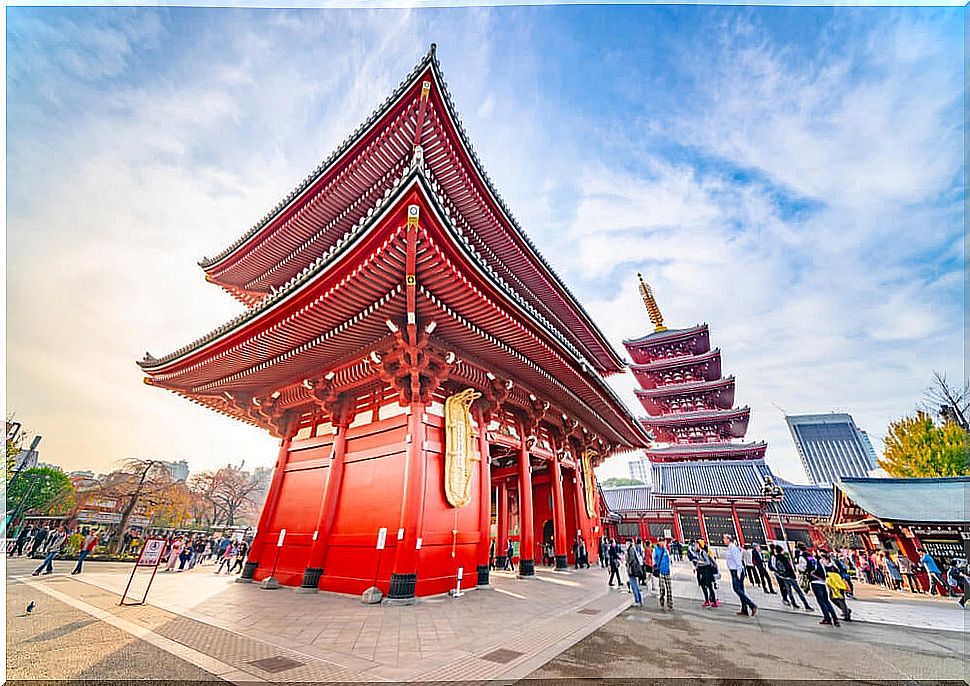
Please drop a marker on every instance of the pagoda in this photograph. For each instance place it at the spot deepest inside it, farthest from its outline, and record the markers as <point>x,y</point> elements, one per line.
<point>435,386</point>
<point>704,477</point>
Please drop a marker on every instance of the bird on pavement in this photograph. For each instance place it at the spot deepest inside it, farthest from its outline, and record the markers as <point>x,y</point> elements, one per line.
<point>30,607</point>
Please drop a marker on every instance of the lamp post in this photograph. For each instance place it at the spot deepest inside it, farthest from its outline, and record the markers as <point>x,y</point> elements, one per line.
<point>773,492</point>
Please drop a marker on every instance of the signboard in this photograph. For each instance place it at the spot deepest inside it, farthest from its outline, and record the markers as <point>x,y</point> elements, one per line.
<point>279,542</point>
<point>151,552</point>
<point>381,538</point>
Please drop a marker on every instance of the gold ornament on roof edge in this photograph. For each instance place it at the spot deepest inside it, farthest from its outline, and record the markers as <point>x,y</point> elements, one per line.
<point>460,453</point>
<point>652,308</point>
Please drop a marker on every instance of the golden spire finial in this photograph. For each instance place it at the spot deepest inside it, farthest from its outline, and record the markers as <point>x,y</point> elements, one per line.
<point>651,305</point>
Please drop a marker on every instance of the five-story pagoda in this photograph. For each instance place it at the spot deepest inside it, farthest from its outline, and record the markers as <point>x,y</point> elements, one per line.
<point>426,370</point>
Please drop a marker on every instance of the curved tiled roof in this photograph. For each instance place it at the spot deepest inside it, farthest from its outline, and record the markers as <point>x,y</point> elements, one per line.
<point>811,501</point>
<point>941,500</point>
<point>631,499</point>
<point>741,478</point>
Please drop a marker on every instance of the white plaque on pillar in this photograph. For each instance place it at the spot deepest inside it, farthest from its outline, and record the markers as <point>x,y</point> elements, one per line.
<point>315,534</point>
<point>381,537</point>
<point>400,534</point>
<point>279,542</point>
<point>417,545</point>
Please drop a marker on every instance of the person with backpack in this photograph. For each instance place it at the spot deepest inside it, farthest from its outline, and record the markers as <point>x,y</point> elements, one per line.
<point>933,572</point>
<point>661,571</point>
<point>836,586</point>
<point>705,567</point>
<point>817,579</point>
<point>787,578</point>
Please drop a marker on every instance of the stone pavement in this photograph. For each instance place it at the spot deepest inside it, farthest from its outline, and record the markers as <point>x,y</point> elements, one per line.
<point>503,633</point>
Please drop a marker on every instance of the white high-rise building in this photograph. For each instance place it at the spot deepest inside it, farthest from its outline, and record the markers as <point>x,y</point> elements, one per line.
<point>639,470</point>
<point>831,447</point>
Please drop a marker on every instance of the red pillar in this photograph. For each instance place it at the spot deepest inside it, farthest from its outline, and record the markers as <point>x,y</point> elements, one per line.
<point>269,509</point>
<point>485,501</point>
<point>404,574</point>
<point>737,524</point>
<point>700,523</point>
<point>502,535</point>
<point>583,523</point>
<point>527,564</point>
<point>328,508</point>
<point>678,532</point>
<point>558,513</point>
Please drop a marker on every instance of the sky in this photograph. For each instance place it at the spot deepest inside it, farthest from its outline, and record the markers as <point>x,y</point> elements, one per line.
<point>791,176</point>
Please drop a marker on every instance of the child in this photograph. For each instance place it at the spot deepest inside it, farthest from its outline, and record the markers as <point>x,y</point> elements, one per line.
<point>837,587</point>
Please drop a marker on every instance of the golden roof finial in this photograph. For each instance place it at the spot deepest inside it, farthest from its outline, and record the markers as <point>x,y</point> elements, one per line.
<point>651,305</point>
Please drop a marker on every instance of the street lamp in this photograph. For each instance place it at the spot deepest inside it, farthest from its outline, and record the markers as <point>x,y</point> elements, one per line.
<point>774,493</point>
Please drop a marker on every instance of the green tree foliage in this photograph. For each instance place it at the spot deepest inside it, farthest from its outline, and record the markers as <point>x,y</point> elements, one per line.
<point>917,447</point>
<point>50,492</point>
<point>620,481</point>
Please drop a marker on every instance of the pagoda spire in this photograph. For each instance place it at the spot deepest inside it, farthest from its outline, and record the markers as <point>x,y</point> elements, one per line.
<point>651,304</point>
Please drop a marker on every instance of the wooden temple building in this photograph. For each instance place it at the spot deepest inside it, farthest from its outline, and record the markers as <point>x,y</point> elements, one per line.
<point>705,482</point>
<point>425,369</point>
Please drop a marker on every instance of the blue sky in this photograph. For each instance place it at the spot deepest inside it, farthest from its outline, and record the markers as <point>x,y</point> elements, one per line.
<point>792,176</point>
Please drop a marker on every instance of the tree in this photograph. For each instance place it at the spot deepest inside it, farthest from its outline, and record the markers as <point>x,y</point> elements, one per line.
<point>226,495</point>
<point>620,481</point>
<point>952,403</point>
<point>143,482</point>
<point>47,491</point>
<point>917,447</point>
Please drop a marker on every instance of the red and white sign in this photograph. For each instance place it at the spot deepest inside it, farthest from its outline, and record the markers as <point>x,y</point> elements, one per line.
<point>151,552</point>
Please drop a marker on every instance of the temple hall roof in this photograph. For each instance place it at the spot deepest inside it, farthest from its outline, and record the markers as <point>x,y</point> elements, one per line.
<point>709,478</point>
<point>624,499</point>
<point>708,451</point>
<point>809,501</point>
<point>940,500</point>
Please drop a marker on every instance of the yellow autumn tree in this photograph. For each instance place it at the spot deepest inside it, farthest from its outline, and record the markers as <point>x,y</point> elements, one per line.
<point>917,447</point>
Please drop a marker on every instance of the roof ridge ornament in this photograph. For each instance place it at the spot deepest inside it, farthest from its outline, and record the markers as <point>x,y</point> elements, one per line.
<point>651,304</point>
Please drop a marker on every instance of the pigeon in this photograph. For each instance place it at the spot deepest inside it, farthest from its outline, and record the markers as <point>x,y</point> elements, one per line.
<point>30,607</point>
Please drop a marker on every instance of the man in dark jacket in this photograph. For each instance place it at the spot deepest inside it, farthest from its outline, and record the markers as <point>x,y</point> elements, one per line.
<point>787,578</point>
<point>758,561</point>
<point>52,548</point>
<point>613,553</point>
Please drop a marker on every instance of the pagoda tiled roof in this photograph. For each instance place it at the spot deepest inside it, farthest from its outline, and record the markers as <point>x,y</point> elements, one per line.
<point>665,336</point>
<point>679,361</point>
<point>628,499</point>
<point>708,451</point>
<point>709,478</point>
<point>507,248</point>
<point>700,417</point>
<point>206,368</point>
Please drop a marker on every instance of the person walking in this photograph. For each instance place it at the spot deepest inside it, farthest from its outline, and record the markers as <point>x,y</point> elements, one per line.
<point>40,538</point>
<point>706,570</point>
<point>87,546</point>
<point>933,572</point>
<point>509,550</point>
<point>816,578</point>
<point>226,559</point>
<point>491,555</point>
<point>22,539</point>
<point>634,571</point>
<point>583,554</point>
<point>240,556</point>
<point>735,563</point>
<point>906,569</point>
<point>661,571</point>
<point>747,556</point>
<point>892,572</point>
<point>836,586</point>
<point>174,553</point>
<point>613,553</point>
<point>53,544</point>
<point>759,566</point>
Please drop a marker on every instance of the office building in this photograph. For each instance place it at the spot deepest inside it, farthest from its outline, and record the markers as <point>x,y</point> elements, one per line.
<point>831,446</point>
